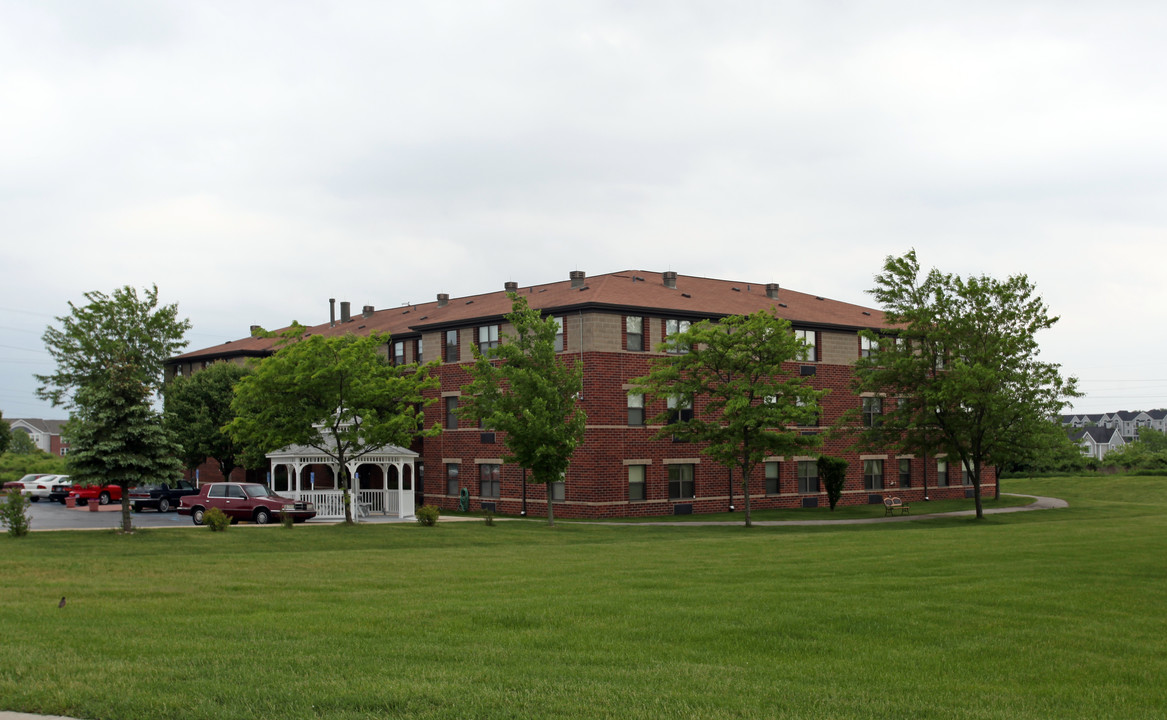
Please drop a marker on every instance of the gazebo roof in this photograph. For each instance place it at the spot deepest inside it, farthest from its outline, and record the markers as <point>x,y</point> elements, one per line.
<point>385,453</point>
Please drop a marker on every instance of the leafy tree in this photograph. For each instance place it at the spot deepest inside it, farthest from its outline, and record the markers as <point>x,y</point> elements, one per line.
<point>5,435</point>
<point>338,394</point>
<point>833,473</point>
<point>961,375</point>
<point>109,355</point>
<point>736,375</point>
<point>198,408</point>
<point>22,444</point>
<point>1152,439</point>
<point>524,389</point>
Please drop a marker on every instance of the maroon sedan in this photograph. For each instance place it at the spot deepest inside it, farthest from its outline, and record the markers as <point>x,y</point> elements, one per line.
<point>243,501</point>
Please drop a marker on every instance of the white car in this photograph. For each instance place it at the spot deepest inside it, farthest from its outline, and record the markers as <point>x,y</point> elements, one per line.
<point>40,488</point>
<point>25,483</point>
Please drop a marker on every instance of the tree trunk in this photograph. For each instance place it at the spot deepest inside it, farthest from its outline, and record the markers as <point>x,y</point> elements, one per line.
<point>127,522</point>
<point>550,506</point>
<point>348,498</point>
<point>977,495</point>
<point>746,494</point>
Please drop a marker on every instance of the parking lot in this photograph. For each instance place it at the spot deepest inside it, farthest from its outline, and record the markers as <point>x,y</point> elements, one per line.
<point>54,516</point>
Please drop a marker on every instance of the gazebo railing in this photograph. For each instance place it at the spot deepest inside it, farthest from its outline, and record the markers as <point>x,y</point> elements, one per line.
<point>330,503</point>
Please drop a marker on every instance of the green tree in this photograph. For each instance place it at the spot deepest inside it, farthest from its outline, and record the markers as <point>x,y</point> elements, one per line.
<point>22,444</point>
<point>736,377</point>
<point>833,473</point>
<point>961,374</point>
<point>109,355</point>
<point>5,435</point>
<point>338,394</point>
<point>524,389</point>
<point>1152,440</point>
<point>198,408</point>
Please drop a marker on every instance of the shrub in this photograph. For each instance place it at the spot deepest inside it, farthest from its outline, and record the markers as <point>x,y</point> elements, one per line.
<point>286,519</point>
<point>488,518</point>
<point>427,515</point>
<point>216,519</point>
<point>833,474</point>
<point>14,513</point>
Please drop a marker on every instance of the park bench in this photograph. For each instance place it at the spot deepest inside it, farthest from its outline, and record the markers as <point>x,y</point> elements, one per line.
<point>891,504</point>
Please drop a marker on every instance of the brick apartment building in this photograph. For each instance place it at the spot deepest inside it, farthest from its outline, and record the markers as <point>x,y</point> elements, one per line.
<point>610,324</point>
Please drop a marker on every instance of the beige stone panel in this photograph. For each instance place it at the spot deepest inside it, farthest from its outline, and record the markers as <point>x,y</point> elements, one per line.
<point>839,348</point>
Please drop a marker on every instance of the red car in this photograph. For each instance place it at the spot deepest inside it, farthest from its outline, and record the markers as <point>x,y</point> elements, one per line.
<point>244,501</point>
<point>103,495</point>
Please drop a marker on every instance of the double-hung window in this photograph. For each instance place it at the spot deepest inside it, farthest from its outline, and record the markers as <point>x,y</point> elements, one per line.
<point>636,482</point>
<point>418,354</point>
<point>680,409</point>
<point>808,476</point>
<point>452,472</point>
<point>635,410</point>
<point>634,333</point>
<point>451,354</point>
<point>452,412</point>
<point>681,482</point>
<point>488,480</point>
<point>673,327</point>
<point>399,352</point>
<point>809,351</point>
<point>558,489</point>
<point>487,338</point>
<point>872,410</point>
<point>560,343</point>
<point>773,472</point>
<point>868,347</point>
<point>905,472</point>
<point>941,473</point>
<point>872,474</point>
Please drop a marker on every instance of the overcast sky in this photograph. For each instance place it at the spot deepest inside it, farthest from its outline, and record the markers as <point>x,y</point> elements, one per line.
<point>254,159</point>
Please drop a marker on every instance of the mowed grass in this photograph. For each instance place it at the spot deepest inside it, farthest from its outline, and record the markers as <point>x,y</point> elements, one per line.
<point>1047,614</point>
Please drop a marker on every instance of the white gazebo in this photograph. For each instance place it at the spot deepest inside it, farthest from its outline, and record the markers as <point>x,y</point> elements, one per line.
<point>394,497</point>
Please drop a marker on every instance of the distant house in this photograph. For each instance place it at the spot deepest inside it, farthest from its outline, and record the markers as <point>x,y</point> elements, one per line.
<point>1097,441</point>
<point>1127,422</point>
<point>45,434</point>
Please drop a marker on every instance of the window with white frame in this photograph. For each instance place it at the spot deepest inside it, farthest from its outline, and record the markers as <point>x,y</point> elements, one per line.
<point>418,354</point>
<point>941,473</point>
<point>680,408</point>
<point>399,352</point>
<point>451,352</point>
<point>452,412</point>
<point>872,474</point>
<point>867,346</point>
<point>453,470</point>
<point>905,472</point>
<point>558,488</point>
<point>559,337</point>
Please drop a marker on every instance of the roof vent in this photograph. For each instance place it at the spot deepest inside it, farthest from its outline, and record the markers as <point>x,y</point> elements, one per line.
<point>331,312</point>
<point>670,279</point>
<point>577,278</point>
<point>367,311</point>
<point>345,312</point>
<point>772,291</point>
<point>511,287</point>
<point>686,295</point>
<point>443,299</point>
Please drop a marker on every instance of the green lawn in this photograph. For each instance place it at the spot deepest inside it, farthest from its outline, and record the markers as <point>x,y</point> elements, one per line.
<point>1048,614</point>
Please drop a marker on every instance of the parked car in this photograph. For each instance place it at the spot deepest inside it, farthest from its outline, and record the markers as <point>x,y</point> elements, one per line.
<point>42,488</point>
<point>243,501</point>
<point>60,489</point>
<point>162,496</point>
<point>104,494</point>
<point>23,483</point>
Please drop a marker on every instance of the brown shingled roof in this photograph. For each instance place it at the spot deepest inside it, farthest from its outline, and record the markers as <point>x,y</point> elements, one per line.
<point>693,297</point>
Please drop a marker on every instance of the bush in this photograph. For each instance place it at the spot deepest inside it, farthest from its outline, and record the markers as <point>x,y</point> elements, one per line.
<point>216,519</point>
<point>286,519</point>
<point>833,474</point>
<point>427,515</point>
<point>14,513</point>
<point>488,518</point>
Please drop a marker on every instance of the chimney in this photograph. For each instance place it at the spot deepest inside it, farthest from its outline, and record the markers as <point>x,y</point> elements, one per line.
<point>367,311</point>
<point>577,278</point>
<point>671,280</point>
<point>331,312</point>
<point>511,287</point>
<point>344,311</point>
<point>443,299</point>
<point>772,291</point>
<point>253,329</point>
